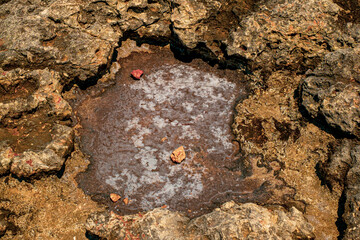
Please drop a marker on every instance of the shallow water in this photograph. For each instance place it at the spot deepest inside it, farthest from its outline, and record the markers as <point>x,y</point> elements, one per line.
<point>131,130</point>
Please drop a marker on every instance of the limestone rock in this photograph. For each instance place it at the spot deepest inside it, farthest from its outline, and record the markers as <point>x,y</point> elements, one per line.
<point>244,221</point>
<point>62,140</point>
<point>352,204</point>
<point>188,16</point>
<point>162,224</point>
<point>45,88</point>
<point>250,221</point>
<point>51,159</point>
<point>335,169</point>
<point>332,91</point>
<point>37,92</point>
<point>31,163</point>
<point>289,34</point>
<point>34,35</point>
<point>341,173</point>
<point>6,156</point>
<point>156,224</point>
<point>272,135</point>
<point>139,13</point>
<point>4,224</point>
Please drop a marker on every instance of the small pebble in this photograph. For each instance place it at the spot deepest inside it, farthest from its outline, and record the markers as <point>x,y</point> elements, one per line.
<point>114,197</point>
<point>178,155</point>
<point>137,73</point>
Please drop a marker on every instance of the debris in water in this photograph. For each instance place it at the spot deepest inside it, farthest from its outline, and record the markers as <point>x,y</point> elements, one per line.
<point>126,201</point>
<point>137,73</point>
<point>114,197</point>
<point>178,155</point>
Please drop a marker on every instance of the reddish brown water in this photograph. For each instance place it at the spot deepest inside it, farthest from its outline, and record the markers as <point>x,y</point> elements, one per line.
<point>132,128</point>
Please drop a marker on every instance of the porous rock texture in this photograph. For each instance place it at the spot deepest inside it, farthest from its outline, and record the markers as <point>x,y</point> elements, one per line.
<point>332,91</point>
<point>299,56</point>
<point>45,97</point>
<point>230,221</point>
<point>341,173</point>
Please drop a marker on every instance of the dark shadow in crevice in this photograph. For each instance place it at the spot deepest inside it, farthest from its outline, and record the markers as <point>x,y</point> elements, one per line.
<point>180,52</point>
<point>340,223</point>
<point>60,173</point>
<point>91,236</point>
<point>322,176</point>
<point>5,218</point>
<point>91,81</point>
<point>350,11</point>
<point>184,54</point>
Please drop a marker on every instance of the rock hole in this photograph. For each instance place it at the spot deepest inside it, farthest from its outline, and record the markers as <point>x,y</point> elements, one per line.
<point>131,129</point>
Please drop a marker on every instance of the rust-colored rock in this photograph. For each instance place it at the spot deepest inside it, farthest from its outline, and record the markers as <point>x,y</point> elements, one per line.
<point>178,155</point>
<point>137,73</point>
<point>114,197</point>
<point>126,201</point>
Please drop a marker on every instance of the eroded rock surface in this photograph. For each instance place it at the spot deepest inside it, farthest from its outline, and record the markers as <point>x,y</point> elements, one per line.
<point>332,91</point>
<point>33,143</point>
<point>35,35</point>
<point>269,125</point>
<point>58,42</point>
<point>341,173</point>
<point>230,221</point>
<point>289,34</point>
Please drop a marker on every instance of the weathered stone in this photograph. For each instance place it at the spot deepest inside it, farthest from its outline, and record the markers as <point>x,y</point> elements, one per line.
<point>6,156</point>
<point>34,36</point>
<point>76,38</point>
<point>271,133</point>
<point>4,225</point>
<point>342,173</point>
<point>352,204</point>
<point>231,221</point>
<point>29,163</point>
<point>156,224</point>
<point>51,159</point>
<point>334,170</point>
<point>332,91</point>
<point>46,90</point>
<point>93,17</point>
<point>290,34</point>
<point>250,221</point>
<point>62,143</point>
<point>162,224</point>
<point>32,163</point>
<point>136,14</point>
<point>188,19</point>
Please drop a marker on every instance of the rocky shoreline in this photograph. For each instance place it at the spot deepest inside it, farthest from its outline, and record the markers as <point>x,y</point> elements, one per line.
<point>299,127</point>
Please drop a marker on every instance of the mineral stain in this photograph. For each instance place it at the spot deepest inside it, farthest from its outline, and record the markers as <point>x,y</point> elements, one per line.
<point>132,128</point>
